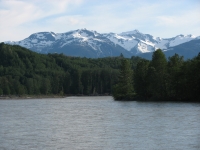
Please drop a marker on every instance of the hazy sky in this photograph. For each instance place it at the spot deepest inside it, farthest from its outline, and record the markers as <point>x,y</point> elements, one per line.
<point>160,18</point>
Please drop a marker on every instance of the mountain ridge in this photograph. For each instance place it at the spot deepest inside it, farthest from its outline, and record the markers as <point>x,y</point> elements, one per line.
<point>90,43</point>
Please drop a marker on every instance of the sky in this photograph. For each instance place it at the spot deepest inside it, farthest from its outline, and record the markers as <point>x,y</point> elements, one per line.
<point>160,18</point>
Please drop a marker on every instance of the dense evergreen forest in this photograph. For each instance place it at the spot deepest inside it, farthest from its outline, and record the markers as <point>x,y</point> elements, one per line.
<point>160,79</point>
<point>23,72</point>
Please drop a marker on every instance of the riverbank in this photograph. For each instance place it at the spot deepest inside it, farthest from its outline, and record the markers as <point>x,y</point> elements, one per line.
<point>10,97</point>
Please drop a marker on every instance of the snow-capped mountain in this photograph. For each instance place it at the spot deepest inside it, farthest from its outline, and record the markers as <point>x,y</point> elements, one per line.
<point>80,42</point>
<point>87,43</point>
<point>137,42</point>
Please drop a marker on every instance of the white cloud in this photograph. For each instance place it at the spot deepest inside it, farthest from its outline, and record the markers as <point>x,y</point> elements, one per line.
<point>14,14</point>
<point>180,24</point>
<point>188,18</point>
<point>24,11</point>
<point>20,18</point>
<point>67,20</point>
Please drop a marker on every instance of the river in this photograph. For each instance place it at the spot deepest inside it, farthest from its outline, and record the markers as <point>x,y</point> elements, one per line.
<point>98,123</point>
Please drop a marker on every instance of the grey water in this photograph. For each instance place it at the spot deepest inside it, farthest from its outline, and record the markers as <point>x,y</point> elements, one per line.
<point>98,123</point>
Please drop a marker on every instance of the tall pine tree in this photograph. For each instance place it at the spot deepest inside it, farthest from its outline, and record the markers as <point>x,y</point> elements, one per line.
<point>124,89</point>
<point>140,79</point>
<point>157,75</point>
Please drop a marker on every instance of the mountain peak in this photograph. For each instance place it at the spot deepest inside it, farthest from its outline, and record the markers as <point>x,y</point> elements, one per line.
<point>185,36</point>
<point>133,42</point>
<point>83,29</point>
<point>136,31</point>
<point>43,36</point>
<point>130,32</point>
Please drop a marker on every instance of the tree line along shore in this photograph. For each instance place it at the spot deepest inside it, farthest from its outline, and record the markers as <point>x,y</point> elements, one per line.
<point>24,72</point>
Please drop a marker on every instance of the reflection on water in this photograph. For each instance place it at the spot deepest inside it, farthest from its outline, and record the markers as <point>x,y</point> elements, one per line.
<point>96,123</point>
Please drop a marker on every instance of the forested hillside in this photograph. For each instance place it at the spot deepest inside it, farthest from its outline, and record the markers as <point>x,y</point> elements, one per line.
<point>26,72</point>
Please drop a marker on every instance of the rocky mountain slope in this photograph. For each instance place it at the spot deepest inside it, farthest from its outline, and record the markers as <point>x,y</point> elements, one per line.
<point>88,43</point>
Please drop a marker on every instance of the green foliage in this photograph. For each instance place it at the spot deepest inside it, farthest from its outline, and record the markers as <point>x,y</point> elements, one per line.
<point>140,79</point>
<point>174,73</point>
<point>157,75</point>
<point>1,92</point>
<point>123,90</point>
<point>175,80</point>
<point>26,72</point>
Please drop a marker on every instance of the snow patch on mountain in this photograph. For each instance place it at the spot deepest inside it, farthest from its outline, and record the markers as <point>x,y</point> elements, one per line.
<point>66,43</point>
<point>144,48</point>
<point>181,39</point>
<point>125,42</point>
<point>162,44</point>
<point>130,32</point>
<point>132,41</point>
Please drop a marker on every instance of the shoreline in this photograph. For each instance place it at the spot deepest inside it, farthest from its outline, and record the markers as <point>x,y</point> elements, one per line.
<point>17,97</point>
<point>27,97</point>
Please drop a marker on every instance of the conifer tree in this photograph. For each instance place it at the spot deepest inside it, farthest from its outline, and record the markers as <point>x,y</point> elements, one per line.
<point>174,74</point>
<point>140,79</point>
<point>124,89</point>
<point>157,74</point>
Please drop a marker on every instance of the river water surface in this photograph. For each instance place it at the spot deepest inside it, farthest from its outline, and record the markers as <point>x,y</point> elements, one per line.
<point>98,123</point>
